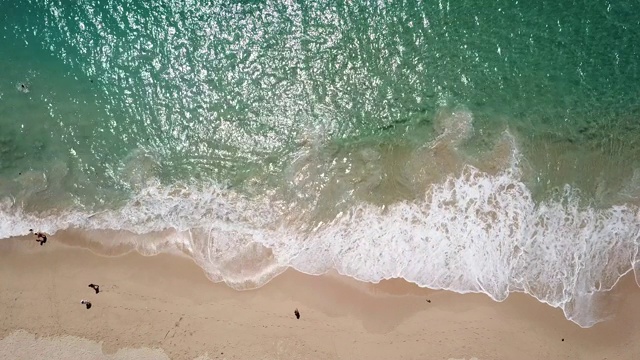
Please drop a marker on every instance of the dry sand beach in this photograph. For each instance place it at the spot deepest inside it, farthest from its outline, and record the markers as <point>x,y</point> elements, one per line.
<point>163,306</point>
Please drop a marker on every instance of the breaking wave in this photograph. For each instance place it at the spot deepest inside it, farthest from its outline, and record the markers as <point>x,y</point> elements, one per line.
<point>475,232</point>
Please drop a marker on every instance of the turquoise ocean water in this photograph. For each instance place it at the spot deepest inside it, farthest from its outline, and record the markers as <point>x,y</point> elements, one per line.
<point>475,147</point>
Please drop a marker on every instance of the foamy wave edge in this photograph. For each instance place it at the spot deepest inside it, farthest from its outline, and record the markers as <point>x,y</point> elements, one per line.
<point>477,233</point>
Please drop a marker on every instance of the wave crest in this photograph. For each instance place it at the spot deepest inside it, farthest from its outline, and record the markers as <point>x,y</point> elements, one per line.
<point>471,233</point>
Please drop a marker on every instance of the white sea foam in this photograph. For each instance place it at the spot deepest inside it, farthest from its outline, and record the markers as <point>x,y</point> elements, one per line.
<point>479,233</point>
<point>472,233</point>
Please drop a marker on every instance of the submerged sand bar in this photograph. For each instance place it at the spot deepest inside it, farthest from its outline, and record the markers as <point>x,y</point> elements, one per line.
<point>164,307</point>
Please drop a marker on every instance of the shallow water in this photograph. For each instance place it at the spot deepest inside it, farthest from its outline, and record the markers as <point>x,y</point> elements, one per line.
<point>474,148</point>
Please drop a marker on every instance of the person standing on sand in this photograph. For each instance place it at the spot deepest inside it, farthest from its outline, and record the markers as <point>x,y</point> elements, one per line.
<point>95,287</point>
<point>41,238</point>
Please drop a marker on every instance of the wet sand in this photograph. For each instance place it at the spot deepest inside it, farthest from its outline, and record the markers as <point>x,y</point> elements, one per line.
<point>164,307</point>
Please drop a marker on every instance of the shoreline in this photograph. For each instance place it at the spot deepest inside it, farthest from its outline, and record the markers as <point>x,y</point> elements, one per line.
<point>166,302</point>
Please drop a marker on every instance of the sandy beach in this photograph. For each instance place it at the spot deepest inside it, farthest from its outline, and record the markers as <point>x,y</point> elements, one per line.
<point>164,307</point>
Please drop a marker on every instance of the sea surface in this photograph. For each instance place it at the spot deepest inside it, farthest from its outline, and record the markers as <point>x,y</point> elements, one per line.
<point>489,147</point>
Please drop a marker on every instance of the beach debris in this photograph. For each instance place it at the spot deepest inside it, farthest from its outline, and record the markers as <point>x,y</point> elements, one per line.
<point>297,314</point>
<point>86,303</point>
<point>95,287</point>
